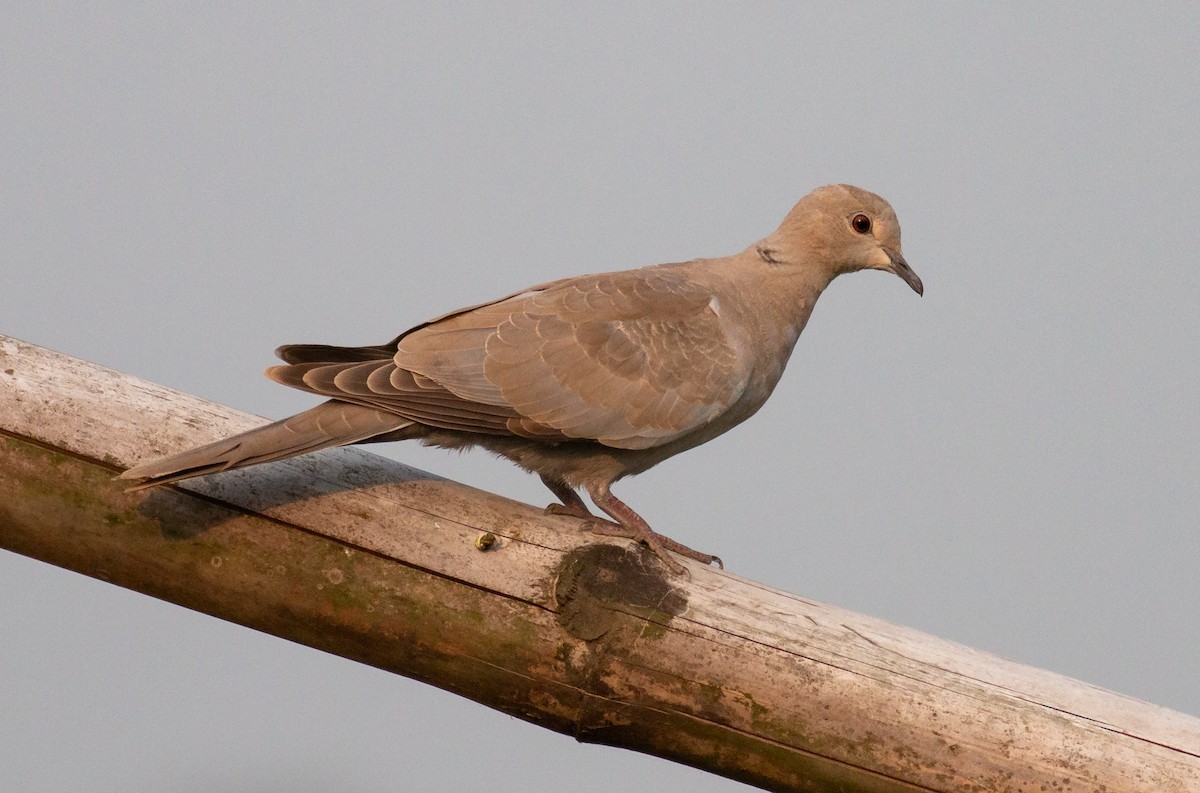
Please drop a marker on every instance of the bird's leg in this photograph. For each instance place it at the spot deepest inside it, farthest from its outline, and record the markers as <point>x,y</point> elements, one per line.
<point>632,525</point>
<point>571,505</point>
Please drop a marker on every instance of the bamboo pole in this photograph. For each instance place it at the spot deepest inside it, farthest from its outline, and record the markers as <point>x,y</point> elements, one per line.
<point>371,560</point>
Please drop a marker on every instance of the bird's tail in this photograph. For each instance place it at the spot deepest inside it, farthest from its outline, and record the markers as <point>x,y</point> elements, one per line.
<point>332,423</point>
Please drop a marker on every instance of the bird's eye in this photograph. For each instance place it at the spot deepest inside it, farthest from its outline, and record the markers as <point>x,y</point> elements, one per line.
<point>861,223</point>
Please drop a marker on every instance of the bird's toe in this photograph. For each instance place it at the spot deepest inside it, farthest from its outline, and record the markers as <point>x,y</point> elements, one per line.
<point>571,511</point>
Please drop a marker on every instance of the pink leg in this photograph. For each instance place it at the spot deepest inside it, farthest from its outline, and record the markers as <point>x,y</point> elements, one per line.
<point>632,525</point>
<point>572,505</point>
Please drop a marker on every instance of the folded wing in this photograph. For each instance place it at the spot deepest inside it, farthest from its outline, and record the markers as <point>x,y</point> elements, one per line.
<point>631,359</point>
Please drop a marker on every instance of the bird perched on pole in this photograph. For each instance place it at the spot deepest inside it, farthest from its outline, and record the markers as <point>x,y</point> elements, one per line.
<point>585,380</point>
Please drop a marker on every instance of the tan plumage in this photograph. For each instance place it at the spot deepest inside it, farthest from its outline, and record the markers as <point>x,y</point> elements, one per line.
<point>584,380</point>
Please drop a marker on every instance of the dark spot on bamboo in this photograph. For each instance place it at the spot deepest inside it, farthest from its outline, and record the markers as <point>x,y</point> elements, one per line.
<point>600,586</point>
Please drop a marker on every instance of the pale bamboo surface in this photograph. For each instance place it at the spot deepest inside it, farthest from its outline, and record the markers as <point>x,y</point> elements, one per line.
<point>366,558</point>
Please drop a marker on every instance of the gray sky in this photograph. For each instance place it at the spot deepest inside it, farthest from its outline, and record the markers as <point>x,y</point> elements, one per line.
<point>1012,462</point>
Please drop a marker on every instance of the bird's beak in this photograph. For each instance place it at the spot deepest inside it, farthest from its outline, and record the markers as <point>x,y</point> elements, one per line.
<point>900,267</point>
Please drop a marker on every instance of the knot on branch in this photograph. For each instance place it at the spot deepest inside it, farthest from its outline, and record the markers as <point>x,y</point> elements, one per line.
<point>600,586</point>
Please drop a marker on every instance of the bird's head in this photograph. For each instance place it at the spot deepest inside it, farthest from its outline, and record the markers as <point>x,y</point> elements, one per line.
<point>842,229</point>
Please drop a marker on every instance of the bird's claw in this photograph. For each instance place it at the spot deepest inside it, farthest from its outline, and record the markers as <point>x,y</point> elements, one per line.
<point>660,545</point>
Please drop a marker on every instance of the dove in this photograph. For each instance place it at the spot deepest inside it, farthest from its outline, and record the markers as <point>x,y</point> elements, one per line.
<point>585,380</point>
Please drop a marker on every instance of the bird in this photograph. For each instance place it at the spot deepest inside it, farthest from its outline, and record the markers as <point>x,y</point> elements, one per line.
<point>585,380</point>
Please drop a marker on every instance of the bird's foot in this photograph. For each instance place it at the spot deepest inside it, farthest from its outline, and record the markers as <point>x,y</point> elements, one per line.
<point>572,505</point>
<point>661,545</point>
<point>570,510</point>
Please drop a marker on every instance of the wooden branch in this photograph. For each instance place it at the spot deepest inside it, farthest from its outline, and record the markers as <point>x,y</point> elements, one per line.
<point>491,599</point>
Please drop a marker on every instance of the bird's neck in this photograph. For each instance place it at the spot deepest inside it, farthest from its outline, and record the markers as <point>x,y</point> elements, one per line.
<point>781,293</point>
<point>788,304</point>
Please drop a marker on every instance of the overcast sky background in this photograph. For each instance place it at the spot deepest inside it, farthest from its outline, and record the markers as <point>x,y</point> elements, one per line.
<point>1012,462</point>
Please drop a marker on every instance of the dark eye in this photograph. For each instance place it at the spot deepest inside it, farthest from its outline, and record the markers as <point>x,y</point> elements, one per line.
<point>861,223</point>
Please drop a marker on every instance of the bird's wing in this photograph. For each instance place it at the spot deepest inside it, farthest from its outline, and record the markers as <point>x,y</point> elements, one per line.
<point>382,385</point>
<point>631,359</point>
<point>329,353</point>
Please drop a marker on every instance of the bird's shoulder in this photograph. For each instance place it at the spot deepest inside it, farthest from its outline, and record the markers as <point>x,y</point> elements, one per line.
<point>662,291</point>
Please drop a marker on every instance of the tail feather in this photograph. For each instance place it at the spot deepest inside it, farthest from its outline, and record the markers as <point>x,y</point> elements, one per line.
<point>332,423</point>
<point>327,353</point>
